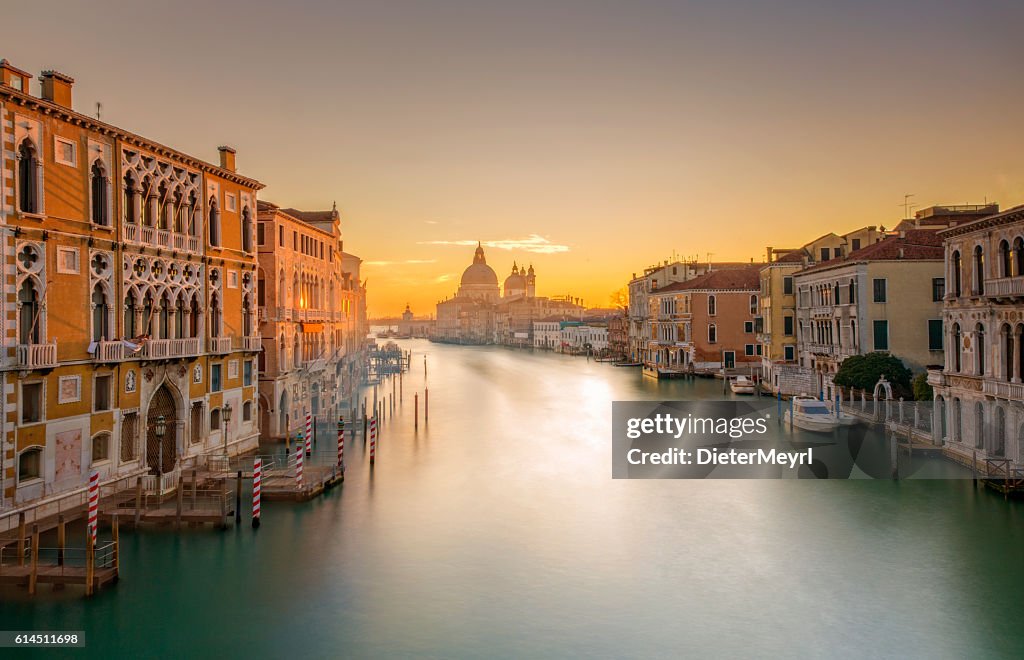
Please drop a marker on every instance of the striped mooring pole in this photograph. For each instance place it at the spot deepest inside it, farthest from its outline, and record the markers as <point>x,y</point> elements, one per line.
<point>373,439</point>
<point>309,434</point>
<point>341,442</point>
<point>298,463</point>
<point>94,504</point>
<point>257,482</point>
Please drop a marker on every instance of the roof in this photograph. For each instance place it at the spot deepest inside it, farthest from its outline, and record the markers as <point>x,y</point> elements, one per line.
<point>911,245</point>
<point>795,256</point>
<point>739,279</point>
<point>311,216</point>
<point>1010,215</point>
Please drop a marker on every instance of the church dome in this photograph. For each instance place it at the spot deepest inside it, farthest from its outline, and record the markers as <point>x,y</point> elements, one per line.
<point>479,273</point>
<point>515,281</point>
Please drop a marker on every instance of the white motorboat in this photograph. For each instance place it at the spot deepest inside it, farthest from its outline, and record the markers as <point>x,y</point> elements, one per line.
<point>742,385</point>
<point>810,414</point>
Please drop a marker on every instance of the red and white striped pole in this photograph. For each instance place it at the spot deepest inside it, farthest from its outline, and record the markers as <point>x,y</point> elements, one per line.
<point>257,483</point>
<point>309,434</point>
<point>373,439</point>
<point>94,504</point>
<point>298,463</point>
<point>341,444</point>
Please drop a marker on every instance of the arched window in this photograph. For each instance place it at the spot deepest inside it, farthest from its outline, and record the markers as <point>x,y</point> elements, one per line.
<point>979,425</point>
<point>853,333</point>
<point>296,292</point>
<point>30,464</point>
<point>214,316</point>
<point>712,306</point>
<point>215,419</point>
<point>1018,256</point>
<point>99,194</point>
<point>28,313</point>
<point>164,207</point>
<point>246,230</point>
<point>247,411</point>
<point>147,313</point>
<point>192,222</point>
<point>129,315</point>
<point>148,203</point>
<point>1005,259</point>
<point>100,447</point>
<point>179,317</point>
<point>180,213</point>
<point>957,348</point>
<point>282,356</point>
<point>979,349</point>
<point>100,314</point>
<point>130,217</point>
<point>940,404</point>
<point>999,444</point>
<point>1006,337</point>
<point>165,317</point>
<point>853,292</point>
<point>28,177</point>
<point>193,317</point>
<point>712,333</point>
<point>958,420</point>
<point>246,317</point>
<point>979,270</point>
<point>957,274</point>
<point>214,222</point>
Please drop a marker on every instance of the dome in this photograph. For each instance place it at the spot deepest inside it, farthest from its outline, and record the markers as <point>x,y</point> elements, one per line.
<point>516,280</point>
<point>479,274</point>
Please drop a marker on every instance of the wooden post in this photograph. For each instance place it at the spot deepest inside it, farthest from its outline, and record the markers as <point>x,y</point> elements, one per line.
<point>138,500</point>
<point>238,497</point>
<point>416,407</point>
<point>179,496</point>
<point>21,538</point>
<point>224,501</point>
<point>60,539</point>
<point>195,486</point>
<point>426,405</point>
<point>117,545</point>
<point>34,571</point>
<point>90,563</point>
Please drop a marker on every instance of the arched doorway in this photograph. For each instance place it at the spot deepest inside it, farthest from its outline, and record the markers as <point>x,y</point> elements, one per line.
<point>161,451</point>
<point>282,415</point>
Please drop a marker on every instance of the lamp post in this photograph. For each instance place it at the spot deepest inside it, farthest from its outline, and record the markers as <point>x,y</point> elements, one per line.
<point>160,428</point>
<point>225,414</point>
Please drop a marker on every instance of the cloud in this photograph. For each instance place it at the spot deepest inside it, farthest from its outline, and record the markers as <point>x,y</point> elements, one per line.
<point>532,243</point>
<point>430,222</point>
<point>443,278</point>
<point>397,263</point>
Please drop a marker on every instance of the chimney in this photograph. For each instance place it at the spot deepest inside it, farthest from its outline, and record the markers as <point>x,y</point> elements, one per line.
<point>13,77</point>
<point>770,254</point>
<point>56,87</point>
<point>227,158</point>
<point>901,253</point>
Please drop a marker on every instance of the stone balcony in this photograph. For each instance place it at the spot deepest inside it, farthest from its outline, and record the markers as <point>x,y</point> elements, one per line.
<point>1003,390</point>
<point>1005,287</point>
<point>152,236</point>
<point>251,344</point>
<point>37,356</point>
<point>220,345</point>
<point>109,351</point>
<point>160,349</point>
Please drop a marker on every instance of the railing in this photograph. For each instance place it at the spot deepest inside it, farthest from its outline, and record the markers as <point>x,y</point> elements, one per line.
<point>130,232</point>
<point>192,244</point>
<point>147,234</point>
<point>220,344</point>
<point>161,483</point>
<point>185,346</point>
<point>283,313</point>
<point>178,241</point>
<point>252,343</point>
<point>1006,286</point>
<point>163,237</point>
<point>1002,389</point>
<point>36,356</point>
<point>109,351</point>
<point>155,349</point>
<point>823,310</point>
<point>823,349</point>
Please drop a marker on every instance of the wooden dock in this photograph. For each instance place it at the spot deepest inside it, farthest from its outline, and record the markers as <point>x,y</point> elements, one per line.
<point>93,566</point>
<point>281,486</point>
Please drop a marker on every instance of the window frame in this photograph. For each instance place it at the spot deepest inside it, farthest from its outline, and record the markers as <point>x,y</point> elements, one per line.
<point>58,157</point>
<point>884,291</point>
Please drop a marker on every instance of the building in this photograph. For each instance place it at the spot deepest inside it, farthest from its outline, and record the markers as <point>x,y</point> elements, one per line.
<point>410,326</point>
<point>158,367</point>
<point>776,324</point>
<point>979,387</point>
<point>704,324</point>
<point>884,297</point>
<point>618,335</point>
<point>312,318</point>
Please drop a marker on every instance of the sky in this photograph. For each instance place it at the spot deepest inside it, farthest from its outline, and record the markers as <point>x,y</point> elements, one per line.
<point>589,139</point>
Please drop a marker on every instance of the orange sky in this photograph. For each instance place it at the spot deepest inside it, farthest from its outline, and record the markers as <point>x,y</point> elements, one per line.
<point>592,140</point>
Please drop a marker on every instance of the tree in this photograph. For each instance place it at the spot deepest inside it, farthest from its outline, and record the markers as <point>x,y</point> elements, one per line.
<point>863,372</point>
<point>619,298</point>
<point>922,390</point>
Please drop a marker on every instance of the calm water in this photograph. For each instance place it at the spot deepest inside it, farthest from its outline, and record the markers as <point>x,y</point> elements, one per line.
<point>496,531</point>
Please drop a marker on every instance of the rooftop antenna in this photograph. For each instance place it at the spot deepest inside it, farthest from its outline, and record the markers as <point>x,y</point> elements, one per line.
<point>907,205</point>
<point>99,109</point>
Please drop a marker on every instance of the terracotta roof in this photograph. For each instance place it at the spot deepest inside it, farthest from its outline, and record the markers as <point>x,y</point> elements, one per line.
<point>796,256</point>
<point>311,216</point>
<point>914,244</point>
<point>740,279</point>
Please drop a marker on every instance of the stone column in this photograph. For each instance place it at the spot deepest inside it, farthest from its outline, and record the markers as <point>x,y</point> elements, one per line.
<point>1014,366</point>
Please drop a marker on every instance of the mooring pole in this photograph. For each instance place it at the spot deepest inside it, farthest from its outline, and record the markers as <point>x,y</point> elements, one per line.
<point>34,570</point>
<point>238,499</point>
<point>426,405</point>
<point>416,415</point>
<point>60,539</point>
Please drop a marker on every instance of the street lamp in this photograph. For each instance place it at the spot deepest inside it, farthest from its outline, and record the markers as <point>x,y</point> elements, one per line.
<point>225,414</point>
<point>160,429</point>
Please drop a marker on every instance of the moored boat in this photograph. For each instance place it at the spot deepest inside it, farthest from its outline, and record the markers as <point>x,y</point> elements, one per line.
<point>810,414</point>
<point>741,385</point>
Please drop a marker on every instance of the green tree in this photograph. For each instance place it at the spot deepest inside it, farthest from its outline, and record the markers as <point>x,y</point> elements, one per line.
<point>863,371</point>
<point>922,390</point>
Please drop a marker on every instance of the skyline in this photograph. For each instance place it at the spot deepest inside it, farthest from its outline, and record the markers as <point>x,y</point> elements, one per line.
<point>590,142</point>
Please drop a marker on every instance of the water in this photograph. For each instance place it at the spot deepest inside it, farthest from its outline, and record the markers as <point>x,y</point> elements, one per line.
<point>496,531</point>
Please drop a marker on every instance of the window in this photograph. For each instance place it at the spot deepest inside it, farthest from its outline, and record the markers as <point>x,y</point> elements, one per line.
<point>790,353</point>
<point>99,183</point>
<point>748,349</point>
<point>229,202</point>
<point>247,411</point>
<point>215,419</point>
<point>101,395</point>
<point>67,261</point>
<point>979,271</point>
<point>935,334</point>
<point>232,279</point>
<point>129,431</point>
<point>247,230</point>
<point>214,223</point>
<point>938,289</point>
<point>957,347</point>
<point>712,333</point>
<point>197,416</point>
<point>100,447</point>
<point>260,233</point>
<point>748,326</point>
<point>30,464</point>
<point>753,305</point>
<point>855,244</point>
<point>957,274</point>
<point>215,378</point>
<point>31,402</point>
<point>280,235</point>
<point>247,373</point>
<point>295,241</point>
<point>712,306</point>
<point>979,349</point>
<point>878,286</point>
<point>1005,259</point>
<point>787,326</point>
<point>759,349</point>
<point>787,286</point>
<point>64,152</point>
<point>881,335</point>
<point>28,178</point>
<point>824,254</point>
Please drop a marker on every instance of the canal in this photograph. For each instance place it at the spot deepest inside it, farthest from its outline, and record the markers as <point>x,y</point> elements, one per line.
<point>495,530</point>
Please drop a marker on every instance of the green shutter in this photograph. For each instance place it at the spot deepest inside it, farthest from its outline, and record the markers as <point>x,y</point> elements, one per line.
<point>935,335</point>
<point>881,335</point>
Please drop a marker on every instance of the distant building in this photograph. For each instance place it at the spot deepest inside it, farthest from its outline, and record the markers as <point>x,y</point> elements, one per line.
<point>618,335</point>
<point>410,326</point>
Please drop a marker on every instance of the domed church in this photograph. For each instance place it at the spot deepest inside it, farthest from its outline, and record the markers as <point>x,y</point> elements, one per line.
<point>479,280</point>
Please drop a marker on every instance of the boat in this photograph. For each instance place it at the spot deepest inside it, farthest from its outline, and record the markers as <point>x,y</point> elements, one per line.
<point>742,385</point>
<point>810,414</point>
<point>627,364</point>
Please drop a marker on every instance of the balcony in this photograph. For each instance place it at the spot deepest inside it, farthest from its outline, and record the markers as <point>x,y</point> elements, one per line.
<point>251,344</point>
<point>1005,287</point>
<point>823,311</point>
<point>109,351</point>
<point>822,349</point>
<point>37,356</point>
<point>1003,390</point>
<point>143,235</point>
<point>161,349</point>
<point>220,345</point>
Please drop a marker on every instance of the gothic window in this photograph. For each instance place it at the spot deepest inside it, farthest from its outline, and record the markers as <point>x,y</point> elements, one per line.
<point>28,313</point>
<point>28,182</point>
<point>979,270</point>
<point>214,316</point>
<point>129,200</point>
<point>214,222</point>
<point>712,306</point>
<point>957,273</point>
<point>148,203</point>
<point>1018,256</point>
<point>99,194</point>
<point>246,317</point>
<point>957,347</point>
<point>193,320</point>
<point>246,230</point>
<point>130,305</point>
<point>979,349</point>
<point>100,314</point>
<point>1005,259</point>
